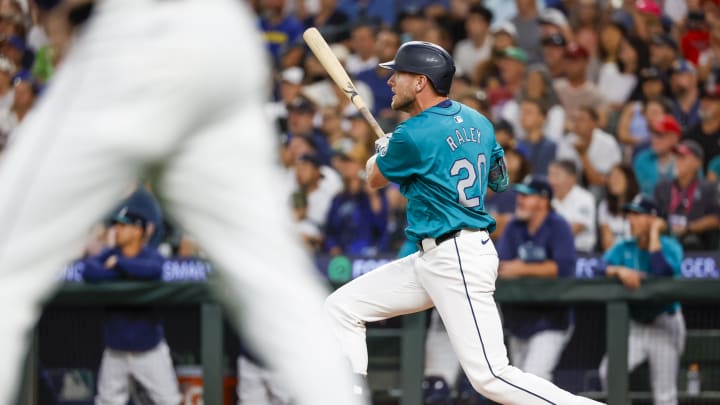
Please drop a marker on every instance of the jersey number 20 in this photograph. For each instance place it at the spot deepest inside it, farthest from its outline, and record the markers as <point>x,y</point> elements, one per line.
<point>470,187</point>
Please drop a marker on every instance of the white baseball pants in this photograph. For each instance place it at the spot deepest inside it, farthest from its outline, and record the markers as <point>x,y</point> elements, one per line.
<point>458,278</point>
<point>440,358</point>
<point>661,343</point>
<point>540,353</point>
<point>258,386</point>
<point>176,86</point>
<point>153,369</point>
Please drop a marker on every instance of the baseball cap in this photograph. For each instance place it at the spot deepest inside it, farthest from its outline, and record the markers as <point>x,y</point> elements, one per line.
<point>515,53</point>
<point>301,105</point>
<point>311,158</point>
<point>664,40</point>
<point>648,7</point>
<point>507,27</point>
<point>504,125</point>
<point>641,204</point>
<point>553,16</point>
<point>667,124</point>
<point>622,19</point>
<point>129,216</point>
<point>535,185</point>
<point>689,147</point>
<point>683,66</point>
<point>555,39</point>
<point>576,51</point>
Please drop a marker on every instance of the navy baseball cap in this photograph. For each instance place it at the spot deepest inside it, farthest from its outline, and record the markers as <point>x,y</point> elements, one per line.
<point>311,158</point>
<point>535,185</point>
<point>128,216</point>
<point>641,204</point>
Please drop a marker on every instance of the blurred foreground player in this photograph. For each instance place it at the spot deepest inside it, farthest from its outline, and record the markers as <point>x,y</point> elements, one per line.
<point>176,86</point>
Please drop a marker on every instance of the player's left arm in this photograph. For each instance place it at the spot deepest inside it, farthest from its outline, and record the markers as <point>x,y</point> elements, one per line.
<point>398,158</point>
<point>498,179</point>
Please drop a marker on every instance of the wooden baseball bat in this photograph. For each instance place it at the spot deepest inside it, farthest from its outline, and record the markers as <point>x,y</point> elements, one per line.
<point>332,65</point>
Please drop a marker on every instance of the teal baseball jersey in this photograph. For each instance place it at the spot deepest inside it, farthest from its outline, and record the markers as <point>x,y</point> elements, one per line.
<point>440,158</point>
<point>664,263</point>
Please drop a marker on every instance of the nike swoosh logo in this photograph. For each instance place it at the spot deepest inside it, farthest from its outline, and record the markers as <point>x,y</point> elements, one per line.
<point>485,241</point>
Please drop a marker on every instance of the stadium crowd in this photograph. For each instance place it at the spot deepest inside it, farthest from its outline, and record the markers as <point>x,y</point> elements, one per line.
<point>594,101</point>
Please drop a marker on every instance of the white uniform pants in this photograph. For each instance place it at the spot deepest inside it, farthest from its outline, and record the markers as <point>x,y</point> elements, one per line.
<point>458,277</point>
<point>258,386</point>
<point>661,344</point>
<point>540,353</point>
<point>176,86</point>
<point>153,369</point>
<point>440,358</point>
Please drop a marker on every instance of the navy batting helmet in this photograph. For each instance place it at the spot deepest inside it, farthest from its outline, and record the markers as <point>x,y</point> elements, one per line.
<point>426,59</point>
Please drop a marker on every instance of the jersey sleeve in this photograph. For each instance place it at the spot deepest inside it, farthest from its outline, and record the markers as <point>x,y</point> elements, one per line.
<point>402,157</point>
<point>613,256</point>
<point>672,252</point>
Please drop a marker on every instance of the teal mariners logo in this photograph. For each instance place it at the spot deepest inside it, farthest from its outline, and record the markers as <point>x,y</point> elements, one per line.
<point>339,270</point>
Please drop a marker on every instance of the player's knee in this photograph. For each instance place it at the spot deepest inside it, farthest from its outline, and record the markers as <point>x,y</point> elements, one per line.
<point>335,306</point>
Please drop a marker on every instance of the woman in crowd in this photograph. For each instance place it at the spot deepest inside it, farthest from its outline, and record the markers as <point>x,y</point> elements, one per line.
<point>620,189</point>
<point>538,85</point>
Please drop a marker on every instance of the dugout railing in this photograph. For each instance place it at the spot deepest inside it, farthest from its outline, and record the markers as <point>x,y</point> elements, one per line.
<point>411,331</point>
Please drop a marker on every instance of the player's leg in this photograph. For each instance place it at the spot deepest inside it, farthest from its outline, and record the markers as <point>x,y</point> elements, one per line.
<point>637,351</point>
<point>518,348</point>
<point>113,379</point>
<point>223,187</point>
<point>154,370</point>
<point>544,351</point>
<point>440,359</point>
<point>251,388</point>
<point>459,276</point>
<point>665,346</point>
<point>388,291</point>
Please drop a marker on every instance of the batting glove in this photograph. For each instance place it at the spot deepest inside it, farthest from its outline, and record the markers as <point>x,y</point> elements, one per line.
<point>381,144</point>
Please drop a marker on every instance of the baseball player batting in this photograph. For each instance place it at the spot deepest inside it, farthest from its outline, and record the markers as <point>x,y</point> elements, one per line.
<point>177,86</point>
<point>444,157</point>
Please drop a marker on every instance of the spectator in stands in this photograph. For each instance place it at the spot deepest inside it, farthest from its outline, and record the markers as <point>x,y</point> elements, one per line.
<point>25,91</point>
<point>412,23</point>
<point>487,74</point>
<point>617,76</point>
<point>291,80</point>
<point>713,172</point>
<point>686,96</point>
<point>663,53</point>
<point>657,331</point>
<point>620,189</point>
<point>7,71</point>
<point>575,204</point>
<point>376,78</point>
<point>553,21</point>
<point>319,194</point>
<point>528,29</point>
<point>707,132</point>
<point>538,85</point>
<point>709,59</point>
<point>358,215</point>
<point>633,126</point>
<point>512,73</point>
<point>690,203</point>
<point>536,243</point>
<point>593,150</point>
<point>15,49</point>
<point>553,51</point>
<point>330,20</point>
<point>657,162</point>
<point>309,232</point>
<point>362,44</point>
<point>134,339</point>
<point>574,90</point>
<point>475,99</point>
<point>651,85</point>
<point>696,38</point>
<point>300,124</point>
<point>281,30</point>
<point>477,46</point>
<point>540,150</point>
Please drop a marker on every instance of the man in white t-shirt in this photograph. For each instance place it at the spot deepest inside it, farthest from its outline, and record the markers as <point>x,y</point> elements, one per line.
<point>593,150</point>
<point>309,173</point>
<point>362,43</point>
<point>477,47</point>
<point>573,203</point>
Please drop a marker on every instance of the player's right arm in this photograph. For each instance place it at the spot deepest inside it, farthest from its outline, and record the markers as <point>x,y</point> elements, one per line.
<point>498,178</point>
